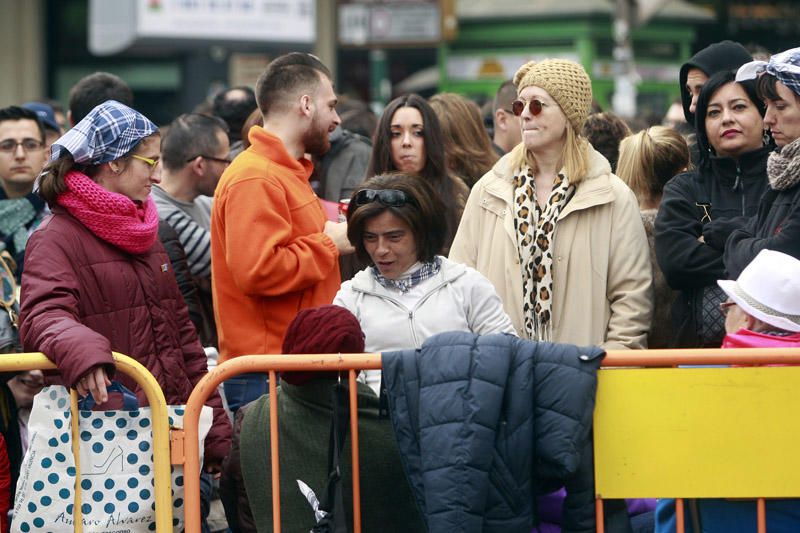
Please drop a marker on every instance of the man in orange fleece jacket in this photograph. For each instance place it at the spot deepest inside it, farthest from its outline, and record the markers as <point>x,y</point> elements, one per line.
<point>273,252</point>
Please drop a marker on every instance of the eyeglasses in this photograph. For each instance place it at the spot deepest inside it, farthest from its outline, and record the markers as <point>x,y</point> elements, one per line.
<point>388,197</point>
<point>28,144</point>
<point>151,162</point>
<point>724,307</point>
<point>217,159</point>
<point>534,106</point>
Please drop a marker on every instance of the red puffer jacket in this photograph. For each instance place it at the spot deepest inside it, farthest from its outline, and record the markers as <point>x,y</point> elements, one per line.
<point>83,297</point>
<point>5,486</point>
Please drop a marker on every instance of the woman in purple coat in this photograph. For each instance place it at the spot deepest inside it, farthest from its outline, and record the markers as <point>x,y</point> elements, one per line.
<point>97,279</point>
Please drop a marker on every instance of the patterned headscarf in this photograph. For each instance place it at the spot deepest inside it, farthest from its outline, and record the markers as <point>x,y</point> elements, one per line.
<point>107,133</point>
<point>785,66</point>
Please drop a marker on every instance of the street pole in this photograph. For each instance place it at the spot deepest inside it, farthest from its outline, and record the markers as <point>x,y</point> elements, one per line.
<point>625,76</point>
<point>380,88</point>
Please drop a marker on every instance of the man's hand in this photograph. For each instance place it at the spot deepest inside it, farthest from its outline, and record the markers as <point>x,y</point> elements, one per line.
<point>94,381</point>
<point>337,231</point>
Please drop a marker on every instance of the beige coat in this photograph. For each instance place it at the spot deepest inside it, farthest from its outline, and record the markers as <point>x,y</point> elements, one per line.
<point>602,278</point>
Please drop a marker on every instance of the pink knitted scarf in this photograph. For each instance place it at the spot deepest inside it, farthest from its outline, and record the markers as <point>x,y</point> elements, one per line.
<point>113,217</point>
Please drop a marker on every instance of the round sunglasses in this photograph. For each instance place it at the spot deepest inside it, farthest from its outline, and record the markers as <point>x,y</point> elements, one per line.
<point>534,106</point>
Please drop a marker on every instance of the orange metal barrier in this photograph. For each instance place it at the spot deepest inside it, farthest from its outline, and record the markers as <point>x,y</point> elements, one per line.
<point>273,364</point>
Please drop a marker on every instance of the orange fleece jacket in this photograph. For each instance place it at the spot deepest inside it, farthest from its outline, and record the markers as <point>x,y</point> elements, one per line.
<point>269,255</point>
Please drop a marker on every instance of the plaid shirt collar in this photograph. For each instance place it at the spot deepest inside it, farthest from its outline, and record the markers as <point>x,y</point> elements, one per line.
<point>406,283</point>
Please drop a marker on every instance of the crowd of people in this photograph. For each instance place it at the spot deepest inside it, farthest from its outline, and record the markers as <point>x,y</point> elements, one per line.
<point>207,239</point>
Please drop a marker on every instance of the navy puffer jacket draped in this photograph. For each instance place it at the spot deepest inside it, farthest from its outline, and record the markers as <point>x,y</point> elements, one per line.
<point>486,423</point>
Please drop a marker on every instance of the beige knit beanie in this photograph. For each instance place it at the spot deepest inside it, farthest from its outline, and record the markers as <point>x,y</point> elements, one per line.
<point>564,80</point>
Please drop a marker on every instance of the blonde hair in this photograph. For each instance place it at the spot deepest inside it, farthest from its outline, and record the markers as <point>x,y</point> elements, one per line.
<point>569,86</point>
<point>649,159</point>
<point>574,157</point>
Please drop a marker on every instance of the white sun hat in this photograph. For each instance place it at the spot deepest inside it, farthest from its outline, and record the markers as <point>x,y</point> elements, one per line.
<point>769,290</point>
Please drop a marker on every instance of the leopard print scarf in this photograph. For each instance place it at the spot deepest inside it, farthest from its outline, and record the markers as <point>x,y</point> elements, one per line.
<point>535,227</point>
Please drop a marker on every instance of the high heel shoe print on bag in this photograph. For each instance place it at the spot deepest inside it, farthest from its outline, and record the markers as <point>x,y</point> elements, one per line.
<point>112,464</point>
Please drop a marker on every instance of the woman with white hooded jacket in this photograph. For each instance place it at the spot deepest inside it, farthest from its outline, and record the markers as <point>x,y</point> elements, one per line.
<point>396,222</point>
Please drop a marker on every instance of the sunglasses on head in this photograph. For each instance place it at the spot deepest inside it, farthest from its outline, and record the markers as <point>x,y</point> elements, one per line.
<point>534,106</point>
<point>388,197</point>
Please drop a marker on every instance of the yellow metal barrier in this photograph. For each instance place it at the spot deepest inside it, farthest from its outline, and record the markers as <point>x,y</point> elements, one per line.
<point>158,406</point>
<point>698,432</point>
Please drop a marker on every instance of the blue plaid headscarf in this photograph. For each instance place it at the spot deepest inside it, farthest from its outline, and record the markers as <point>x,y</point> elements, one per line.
<point>785,66</point>
<point>108,132</point>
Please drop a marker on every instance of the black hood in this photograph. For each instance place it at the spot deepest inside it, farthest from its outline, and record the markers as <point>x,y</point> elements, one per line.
<point>724,55</point>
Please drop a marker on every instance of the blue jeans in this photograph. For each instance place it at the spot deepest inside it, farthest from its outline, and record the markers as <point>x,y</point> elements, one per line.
<point>243,389</point>
<point>206,488</point>
<point>725,516</point>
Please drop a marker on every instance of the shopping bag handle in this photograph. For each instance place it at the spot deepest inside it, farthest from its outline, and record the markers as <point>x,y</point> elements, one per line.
<point>129,400</point>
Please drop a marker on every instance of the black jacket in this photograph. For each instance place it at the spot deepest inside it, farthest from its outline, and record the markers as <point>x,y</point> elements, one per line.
<point>710,202</point>
<point>775,227</point>
<point>485,424</point>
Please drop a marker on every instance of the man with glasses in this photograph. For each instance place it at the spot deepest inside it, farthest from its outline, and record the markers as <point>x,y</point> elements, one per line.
<point>507,128</point>
<point>194,153</point>
<point>273,251</point>
<point>22,156</point>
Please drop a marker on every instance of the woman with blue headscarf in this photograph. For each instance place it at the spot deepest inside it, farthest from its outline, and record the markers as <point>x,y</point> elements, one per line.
<point>776,226</point>
<point>97,279</point>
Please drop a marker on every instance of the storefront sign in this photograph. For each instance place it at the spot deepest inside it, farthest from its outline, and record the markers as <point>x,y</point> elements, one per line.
<point>390,22</point>
<point>115,26</point>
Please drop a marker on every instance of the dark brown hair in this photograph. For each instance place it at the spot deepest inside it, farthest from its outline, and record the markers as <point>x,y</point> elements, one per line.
<point>435,170</point>
<point>605,131</point>
<point>424,215</point>
<point>22,113</point>
<point>255,119</point>
<point>765,88</point>
<point>93,90</point>
<point>285,76</point>
<point>188,136</point>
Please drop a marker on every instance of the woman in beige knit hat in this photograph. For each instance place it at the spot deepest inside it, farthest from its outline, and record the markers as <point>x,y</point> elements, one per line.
<point>555,231</point>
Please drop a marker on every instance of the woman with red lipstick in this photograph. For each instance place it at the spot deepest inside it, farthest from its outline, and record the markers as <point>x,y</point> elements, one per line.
<point>396,222</point>
<point>777,225</point>
<point>701,208</point>
<point>409,139</point>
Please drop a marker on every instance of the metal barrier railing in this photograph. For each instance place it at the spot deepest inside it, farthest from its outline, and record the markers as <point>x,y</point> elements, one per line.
<point>271,364</point>
<point>697,431</point>
<point>160,425</point>
<point>615,361</point>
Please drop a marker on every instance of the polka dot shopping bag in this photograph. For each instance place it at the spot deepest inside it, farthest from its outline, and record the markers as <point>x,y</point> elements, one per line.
<point>116,478</point>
